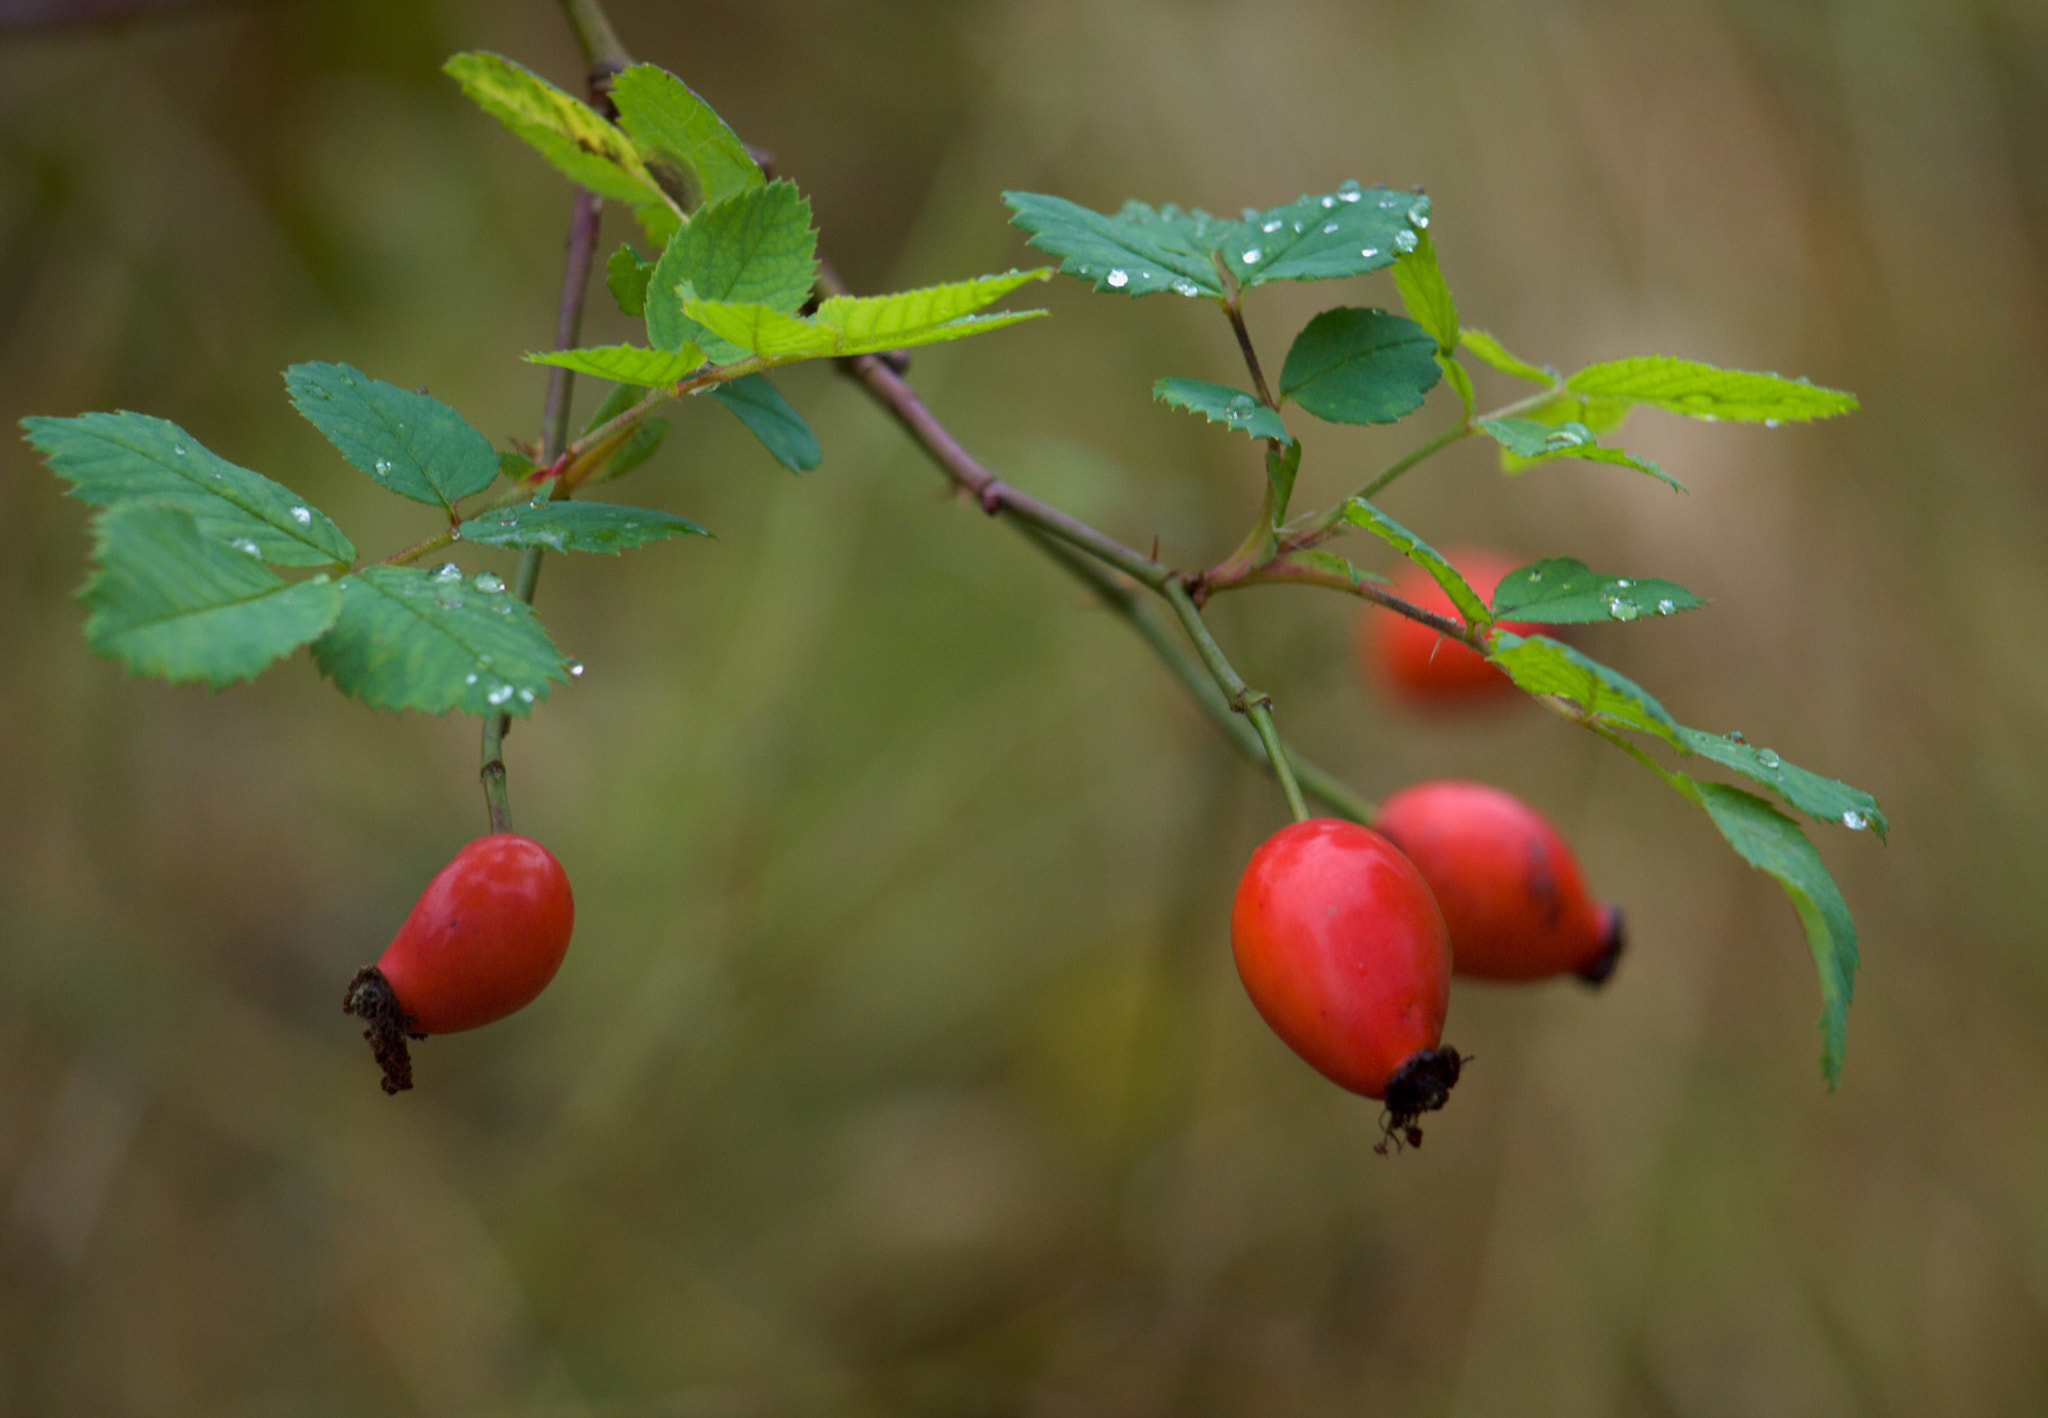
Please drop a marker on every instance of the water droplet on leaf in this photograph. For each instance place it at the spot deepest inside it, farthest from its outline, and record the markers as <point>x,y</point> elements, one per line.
<point>1251,254</point>
<point>1768,758</point>
<point>1854,820</point>
<point>1117,279</point>
<point>1405,241</point>
<point>447,571</point>
<point>303,516</point>
<point>485,581</point>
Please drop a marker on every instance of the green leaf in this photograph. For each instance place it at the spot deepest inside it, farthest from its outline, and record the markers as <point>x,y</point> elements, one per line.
<point>1219,403</point>
<point>1532,441</point>
<point>1683,386</point>
<point>1461,382</point>
<point>1541,665</point>
<point>1825,799</point>
<point>123,457</point>
<point>634,451</point>
<point>1283,462</point>
<point>627,364</point>
<point>771,419</point>
<point>851,325</point>
<point>579,141</point>
<point>170,600</point>
<point>1360,366</point>
<point>1326,237</point>
<point>1421,283</point>
<point>577,526</point>
<point>1141,250</point>
<point>409,638</point>
<point>414,445</point>
<point>757,247</point>
<point>1496,354</point>
<point>1361,513</point>
<point>1136,252</point>
<point>1331,564</point>
<point>1773,843</point>
<point>686,146</point>
<point>626,277</point>
<point>1561,591</point>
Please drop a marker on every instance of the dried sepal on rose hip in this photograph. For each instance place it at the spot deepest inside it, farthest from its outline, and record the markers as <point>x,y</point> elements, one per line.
<point>1513,896</point>
<point>1343,952</point>
<point>483,940</point>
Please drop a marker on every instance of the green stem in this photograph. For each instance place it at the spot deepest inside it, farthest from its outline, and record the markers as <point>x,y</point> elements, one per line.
<point>1256,707</point>
<point>1123,601</point>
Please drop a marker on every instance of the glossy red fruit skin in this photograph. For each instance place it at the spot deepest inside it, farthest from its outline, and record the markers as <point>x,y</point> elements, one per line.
<point>484,938</point>
<point>1512,894</point>
<point>1343,952</point>
<point>1420,666</point>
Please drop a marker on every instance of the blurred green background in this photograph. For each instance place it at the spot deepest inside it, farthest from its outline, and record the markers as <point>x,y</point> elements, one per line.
<point>899,1065</point>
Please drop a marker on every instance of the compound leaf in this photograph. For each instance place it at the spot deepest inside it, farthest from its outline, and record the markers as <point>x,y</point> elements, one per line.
<point>122,457</point>
<point>1825,799</point>
<point>1528,441</point>
<point>1326,237</point>
<point>1138,251</point>
<point>1360,366</point>
<point>1601,695</point>
<point>582,144</point>
<point>1562,591</point>
<point>627,364</point>
<point>577,526</point>
<point>771,419</point>
<point>1683,386</point>
<point>851,325</point>
<point>1219,403</point>
<point>170,600</point>
<point>412,444</point>
<point>1493,352</point>
<point>1773,843</point>
<point>409,638</point>
<point>686,147</point>
<point>1361,513</point>
<point>1423,291</point>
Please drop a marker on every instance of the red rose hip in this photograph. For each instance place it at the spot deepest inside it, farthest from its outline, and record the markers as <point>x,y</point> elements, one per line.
<point>1513,897</point>
<point>483,940</point>
<point>1342,950</point>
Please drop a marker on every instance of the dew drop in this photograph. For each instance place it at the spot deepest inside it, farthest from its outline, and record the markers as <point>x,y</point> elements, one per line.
<point>1535,576</point>
<point>1854,820</point>
<point>1623,610</point>
<point>244,544</point>
<point>1329,228</point>
<point>526,696</point>
<point>499,695</point>
<point>1117,280</point>
<point>576,669</point>
<point>1418,215</point>
<point>383,465</point>
<point>1329,202</point>
<point>179,449</point>
<point>485,581</point>
<point>1735,736</point>
<point>1772,423</point>
<point>1186,287</point>
<point>1251,254</point>
<point>1369,252</point>
<point>1347,190</point>
<point>447,571</point>
<point>1405,241</point>
<point>1274,225</point>
<point>1666,606</point>
<point>470,678</point>
<point>1768,758</point>
<point>1623,582</point>
<point>303,516</point>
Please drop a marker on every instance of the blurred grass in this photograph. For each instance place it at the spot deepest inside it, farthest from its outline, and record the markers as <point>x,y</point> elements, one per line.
<point>899,1066</point>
